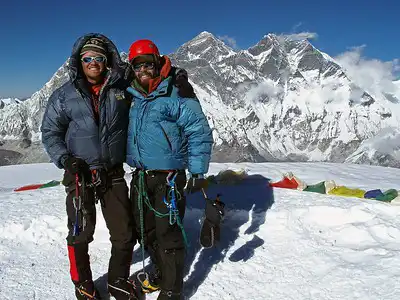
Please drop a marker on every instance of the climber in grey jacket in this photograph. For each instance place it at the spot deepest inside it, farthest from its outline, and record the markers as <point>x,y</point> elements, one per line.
<point>84,131</point>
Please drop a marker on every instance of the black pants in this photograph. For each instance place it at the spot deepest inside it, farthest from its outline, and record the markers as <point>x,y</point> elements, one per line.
<point>117,212</point>
<point>163,241</point>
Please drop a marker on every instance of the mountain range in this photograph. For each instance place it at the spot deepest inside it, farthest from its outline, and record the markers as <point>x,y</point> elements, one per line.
<point>279,100</point>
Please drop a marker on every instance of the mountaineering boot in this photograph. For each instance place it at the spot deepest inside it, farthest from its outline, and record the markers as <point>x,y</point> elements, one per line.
<point>124,289</point>
<point>154,276</point>
<point>153,282</point>
<point>86,291</point>
<point>169,295</point>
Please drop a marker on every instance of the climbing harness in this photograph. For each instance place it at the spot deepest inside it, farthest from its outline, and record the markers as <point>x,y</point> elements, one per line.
<point>170,200</point>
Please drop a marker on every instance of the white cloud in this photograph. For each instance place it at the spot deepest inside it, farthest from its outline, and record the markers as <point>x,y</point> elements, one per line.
<point>229,40</point>
<point>299,36</point>
<point>264,89</point>
<point>386,141</point>
<point>372,75</point>
<point>396,67</point>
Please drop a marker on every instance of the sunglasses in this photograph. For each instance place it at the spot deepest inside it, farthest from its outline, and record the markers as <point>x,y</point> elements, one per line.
<point>146,65</point>
<point>89,59</point>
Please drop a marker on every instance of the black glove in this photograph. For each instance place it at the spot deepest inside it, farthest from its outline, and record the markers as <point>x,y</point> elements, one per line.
<point>215,211</point>
<point>185,89</point>
<point>196,183</point>
<point>74,165</point>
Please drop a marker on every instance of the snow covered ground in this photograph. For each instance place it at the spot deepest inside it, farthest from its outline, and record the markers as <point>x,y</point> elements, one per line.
<point>276,244</point>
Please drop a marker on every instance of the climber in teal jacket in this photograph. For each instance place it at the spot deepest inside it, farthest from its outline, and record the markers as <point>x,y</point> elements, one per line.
<point>167,135</point>
<point>167,132</point>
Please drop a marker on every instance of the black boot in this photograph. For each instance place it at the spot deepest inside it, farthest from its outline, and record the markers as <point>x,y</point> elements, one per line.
<point>151,284</point>
<point>124,289</point>
<point>169,295</point>
<point>86,291</point>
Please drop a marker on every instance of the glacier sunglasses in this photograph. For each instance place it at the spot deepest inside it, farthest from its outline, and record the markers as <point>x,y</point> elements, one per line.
<point>146,65</point>
<point>89,59</point>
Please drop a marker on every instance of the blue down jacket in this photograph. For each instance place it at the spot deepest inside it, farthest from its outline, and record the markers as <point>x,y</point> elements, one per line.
<point>167,132</point>
<point>69,126</point>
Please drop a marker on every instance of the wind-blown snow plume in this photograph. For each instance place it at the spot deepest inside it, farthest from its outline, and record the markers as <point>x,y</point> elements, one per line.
<point>230,41</point>
<point>372,75</point>
<point>300,36</point>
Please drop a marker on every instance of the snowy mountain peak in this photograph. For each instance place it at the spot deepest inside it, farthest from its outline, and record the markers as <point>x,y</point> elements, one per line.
<point>266,44</point>
<point>205,34</point>
<point>283,99</point>
<point>205,46</point>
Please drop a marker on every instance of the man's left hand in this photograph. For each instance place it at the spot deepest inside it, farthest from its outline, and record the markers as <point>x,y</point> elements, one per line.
<point>185,89</point>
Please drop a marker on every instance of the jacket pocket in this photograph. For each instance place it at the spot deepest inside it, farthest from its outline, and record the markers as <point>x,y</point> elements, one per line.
<point>166,137</point>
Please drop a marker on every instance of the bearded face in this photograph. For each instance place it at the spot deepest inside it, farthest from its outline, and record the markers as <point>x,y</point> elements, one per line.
<point>145,69</point>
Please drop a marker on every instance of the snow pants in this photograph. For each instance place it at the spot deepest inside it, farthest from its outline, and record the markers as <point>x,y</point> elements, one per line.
<point>164,242</point>
<point>117,212</point>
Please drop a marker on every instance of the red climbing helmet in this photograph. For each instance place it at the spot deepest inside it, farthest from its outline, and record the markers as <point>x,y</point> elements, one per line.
<point>142,47</point>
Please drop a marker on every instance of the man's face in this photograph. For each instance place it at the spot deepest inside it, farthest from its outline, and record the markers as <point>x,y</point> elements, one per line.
<point>144,68</point>
<point>93,65</point>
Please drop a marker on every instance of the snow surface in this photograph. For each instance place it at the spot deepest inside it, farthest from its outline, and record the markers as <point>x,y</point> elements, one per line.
<point>8,101</point>
<point>276,244</point>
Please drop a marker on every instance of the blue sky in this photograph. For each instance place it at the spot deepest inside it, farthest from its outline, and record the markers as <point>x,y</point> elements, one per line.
<point>37,36</point>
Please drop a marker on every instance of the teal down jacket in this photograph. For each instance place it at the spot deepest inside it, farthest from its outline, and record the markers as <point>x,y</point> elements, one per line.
<point>167,132</point>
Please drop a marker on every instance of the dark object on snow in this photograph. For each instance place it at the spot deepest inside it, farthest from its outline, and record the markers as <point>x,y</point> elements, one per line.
<point>372,194</point>
<point>388,195</point>
<point>25,143</point>
<point>210,230</point>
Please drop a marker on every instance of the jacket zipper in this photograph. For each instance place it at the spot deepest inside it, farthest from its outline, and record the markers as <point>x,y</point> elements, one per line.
<point>100,106</point>
<point>139,124</point>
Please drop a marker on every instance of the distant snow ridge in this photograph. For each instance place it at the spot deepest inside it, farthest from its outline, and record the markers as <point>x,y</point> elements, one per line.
<point>8,101</point>
<point>22,120</point>
<point>279,100</point>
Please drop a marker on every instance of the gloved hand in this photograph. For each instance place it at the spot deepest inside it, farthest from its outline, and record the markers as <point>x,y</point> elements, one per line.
<point>185,89</point>
<point>195,183</point>
<point>74,165</point>
<point>215,211</point>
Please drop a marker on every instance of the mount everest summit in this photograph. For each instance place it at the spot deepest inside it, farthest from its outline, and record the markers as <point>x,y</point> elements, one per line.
<point>279,100</point>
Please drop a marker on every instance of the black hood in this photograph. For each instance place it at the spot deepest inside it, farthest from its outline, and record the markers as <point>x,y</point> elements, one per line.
<point>114,62</point>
